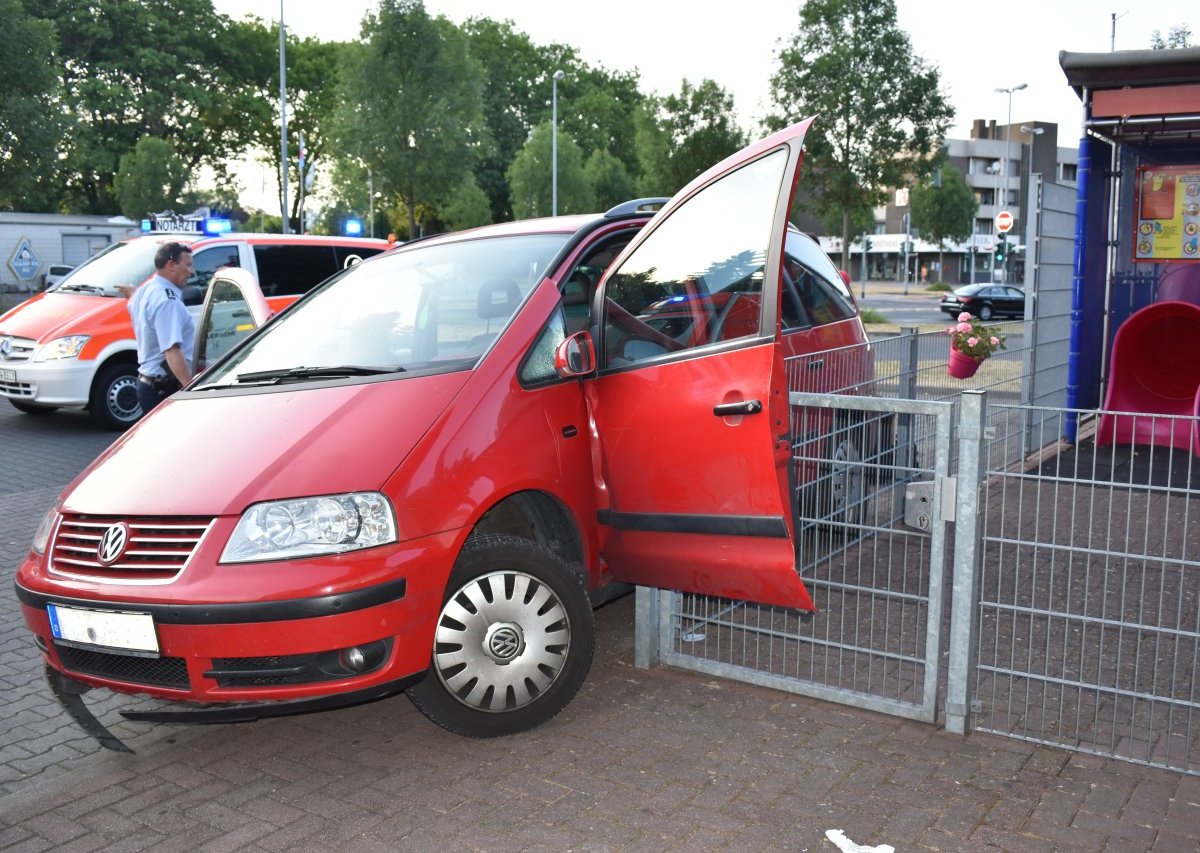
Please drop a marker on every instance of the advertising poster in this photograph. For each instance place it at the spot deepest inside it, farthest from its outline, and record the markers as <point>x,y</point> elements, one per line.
<point>1168,214</point>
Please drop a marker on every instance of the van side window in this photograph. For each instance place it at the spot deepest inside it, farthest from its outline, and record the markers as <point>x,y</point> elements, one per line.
<point>539,363</point>
<point>293,270</point>
<point>208,261</point>
<point>348,256</point>
<point>698,279</point>
<point>229,322</point>
<point>815,283</point>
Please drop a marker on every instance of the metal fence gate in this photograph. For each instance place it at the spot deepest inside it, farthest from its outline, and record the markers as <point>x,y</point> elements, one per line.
<point>875,639</point>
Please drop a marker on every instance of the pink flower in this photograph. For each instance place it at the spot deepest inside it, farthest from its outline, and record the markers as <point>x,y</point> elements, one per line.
<point>964,317</point>
<point>963,327</point>
<point>972,341</point>
<point>995,341</point>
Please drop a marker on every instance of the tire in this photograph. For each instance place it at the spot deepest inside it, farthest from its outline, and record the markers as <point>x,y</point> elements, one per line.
<point>835,500</point>
<point>31,409</point>
<point>513,641</point>
<point>114,403</point>
<point>985,312</point>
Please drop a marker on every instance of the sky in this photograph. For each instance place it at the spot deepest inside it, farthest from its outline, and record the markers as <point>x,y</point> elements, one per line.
<point>976,46</point>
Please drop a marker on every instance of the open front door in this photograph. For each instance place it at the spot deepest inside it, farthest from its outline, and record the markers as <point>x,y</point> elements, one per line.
<point>690,399</point>
<point>234,306</point>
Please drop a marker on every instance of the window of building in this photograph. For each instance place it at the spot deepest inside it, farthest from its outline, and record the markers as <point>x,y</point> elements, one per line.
<point>1068,171</point>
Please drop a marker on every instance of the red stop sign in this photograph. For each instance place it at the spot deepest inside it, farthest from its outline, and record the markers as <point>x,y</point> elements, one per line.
<point>1004,222</point>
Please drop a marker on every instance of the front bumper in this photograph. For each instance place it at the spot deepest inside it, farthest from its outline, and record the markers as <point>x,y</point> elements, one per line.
<point>346,639</point>
<point>61,382</point>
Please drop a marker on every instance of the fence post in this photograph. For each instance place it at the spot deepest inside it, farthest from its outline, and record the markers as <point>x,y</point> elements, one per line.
<point>647,629</point>
<point>968,527</point>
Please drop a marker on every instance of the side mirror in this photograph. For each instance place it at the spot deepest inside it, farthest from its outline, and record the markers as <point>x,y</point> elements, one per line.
<point>845,277</point>
<point>576,356</point>
<point>192,295</point>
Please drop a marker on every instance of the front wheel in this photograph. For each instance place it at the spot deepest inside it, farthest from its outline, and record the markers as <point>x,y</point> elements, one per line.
<point>513,641</point>
<point>985,313</point>
<point>114,403</point>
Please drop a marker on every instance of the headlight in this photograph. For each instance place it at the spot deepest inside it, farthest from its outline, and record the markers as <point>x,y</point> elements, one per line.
<point>68,347</point>
<point>307,527</point>
<point>42,536</point>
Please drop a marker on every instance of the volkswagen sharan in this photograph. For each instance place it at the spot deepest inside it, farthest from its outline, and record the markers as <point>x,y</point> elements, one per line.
<point>424,474</point>
<point>73,346</point>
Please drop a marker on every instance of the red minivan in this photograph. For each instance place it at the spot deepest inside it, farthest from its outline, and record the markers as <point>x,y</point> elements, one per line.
<point>423,475</point>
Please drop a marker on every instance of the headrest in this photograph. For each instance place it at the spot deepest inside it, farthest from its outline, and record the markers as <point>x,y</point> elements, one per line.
<point>497,297</point>
<point>578,289</point>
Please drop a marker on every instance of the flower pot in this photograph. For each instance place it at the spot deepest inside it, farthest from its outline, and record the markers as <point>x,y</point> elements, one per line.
<point>962,366</point>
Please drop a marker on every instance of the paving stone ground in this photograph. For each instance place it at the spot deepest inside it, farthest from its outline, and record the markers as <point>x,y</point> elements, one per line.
<point>641,760</point>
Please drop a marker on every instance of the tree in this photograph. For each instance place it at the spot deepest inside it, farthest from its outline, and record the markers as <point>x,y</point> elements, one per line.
<point>882,112</point>
<point>681,136</point>
<point>467,207</point>
<point>150,178</point>
<point>946,212</point>
<point>413,107</point>
<point>1179,35</point>
<point>529,177</point>
<point>608,179</point>
<point>30,119</point>
<point>132,69</point>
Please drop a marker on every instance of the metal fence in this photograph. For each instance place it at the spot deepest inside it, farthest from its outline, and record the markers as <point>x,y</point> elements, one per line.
<point>1074,613</point>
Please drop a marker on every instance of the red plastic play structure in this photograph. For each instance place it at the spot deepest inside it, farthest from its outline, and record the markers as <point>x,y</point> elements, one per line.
<point>1155,371</point>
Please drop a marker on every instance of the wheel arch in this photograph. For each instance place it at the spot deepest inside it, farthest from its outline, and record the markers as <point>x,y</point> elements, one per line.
<point>539,517</point>
<point>121,356</point>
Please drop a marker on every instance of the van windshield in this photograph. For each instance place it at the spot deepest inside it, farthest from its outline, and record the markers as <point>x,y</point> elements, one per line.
<point>128,263</point>
<point>434,307</point>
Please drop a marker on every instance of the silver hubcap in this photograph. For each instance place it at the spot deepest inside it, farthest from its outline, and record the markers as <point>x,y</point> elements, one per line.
<point>501,641</point>
<point>122,399</point>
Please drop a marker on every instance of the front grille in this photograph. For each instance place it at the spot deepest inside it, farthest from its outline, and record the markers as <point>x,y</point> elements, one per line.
<point>19,349</point>
<point>152,672</point>
<point>17,389</point>
<point>156,549</point>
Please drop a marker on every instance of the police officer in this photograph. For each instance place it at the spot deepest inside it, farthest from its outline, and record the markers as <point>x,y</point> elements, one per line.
<point>165,331</point>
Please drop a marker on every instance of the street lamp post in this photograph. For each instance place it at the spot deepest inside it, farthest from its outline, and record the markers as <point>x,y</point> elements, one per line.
<point>558,75</point>
<point>1004,165</point>
<point>283,151</point>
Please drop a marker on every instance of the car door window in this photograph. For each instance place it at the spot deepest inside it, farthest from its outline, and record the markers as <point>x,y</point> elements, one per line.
<point>817,285</point>
<point>207,261</point>
<point>229,320</point>
<point>699,276</point>
<point>293,270</point>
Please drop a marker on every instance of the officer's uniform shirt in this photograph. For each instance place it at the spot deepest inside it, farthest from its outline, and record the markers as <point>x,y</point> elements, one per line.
<point>160,321</point>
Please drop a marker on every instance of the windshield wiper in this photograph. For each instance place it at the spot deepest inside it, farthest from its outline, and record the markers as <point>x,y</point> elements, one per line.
<point>90,288</point>
<point>314,373</point>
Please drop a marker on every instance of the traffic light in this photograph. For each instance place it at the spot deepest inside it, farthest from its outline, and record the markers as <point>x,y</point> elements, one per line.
<point>1001,250</point>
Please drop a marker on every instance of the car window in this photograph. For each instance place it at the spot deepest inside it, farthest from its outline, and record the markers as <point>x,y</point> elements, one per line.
<point>230,320</point>
<point>699,276</point>
<point>818,287</point>
<point>293,269</point>
<point>207,261</point>
<point>121,264</point>
<point>348,256</point>
<point>539,363</point>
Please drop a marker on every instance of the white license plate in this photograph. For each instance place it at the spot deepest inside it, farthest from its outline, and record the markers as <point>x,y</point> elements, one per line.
<point>107,628</point>
<point>8,376</point>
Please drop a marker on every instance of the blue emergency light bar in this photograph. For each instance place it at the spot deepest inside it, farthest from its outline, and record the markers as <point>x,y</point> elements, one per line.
<point>353,227</point>
<point>216,225</point>
<point>147,225</point>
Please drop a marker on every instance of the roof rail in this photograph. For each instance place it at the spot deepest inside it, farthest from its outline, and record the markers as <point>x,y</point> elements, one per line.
<point>637,205</point>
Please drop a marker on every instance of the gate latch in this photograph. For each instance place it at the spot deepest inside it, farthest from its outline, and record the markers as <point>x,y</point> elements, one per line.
<point>918,502</point>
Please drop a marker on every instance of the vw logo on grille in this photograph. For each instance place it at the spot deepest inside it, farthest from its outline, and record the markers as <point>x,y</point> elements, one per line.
<point>5,346</point>
<point>504,643</point>
<point>112,544</point>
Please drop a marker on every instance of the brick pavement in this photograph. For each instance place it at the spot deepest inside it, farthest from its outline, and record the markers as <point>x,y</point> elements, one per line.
<point>641,760</point>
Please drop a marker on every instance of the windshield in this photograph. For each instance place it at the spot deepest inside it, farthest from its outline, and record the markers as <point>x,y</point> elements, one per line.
<point>128,263</point>
<point>429,308</point>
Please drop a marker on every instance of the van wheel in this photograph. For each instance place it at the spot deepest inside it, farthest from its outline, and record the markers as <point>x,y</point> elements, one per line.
<point>512,644</point>
<point>985,312</point>
<point>836,497</point>
<point>32,409</point>
<point>114,402</point>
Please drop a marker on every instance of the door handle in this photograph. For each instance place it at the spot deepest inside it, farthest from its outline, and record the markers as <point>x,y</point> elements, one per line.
<point>816,365</point>
<point>745,407</point>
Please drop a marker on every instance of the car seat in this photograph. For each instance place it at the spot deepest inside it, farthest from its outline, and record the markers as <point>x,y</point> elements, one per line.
<point>577,299</point>
<point>497,300</point>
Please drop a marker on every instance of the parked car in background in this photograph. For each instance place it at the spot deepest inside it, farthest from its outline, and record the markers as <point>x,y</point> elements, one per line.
<point>55,273</point>
<point>986,301</point>
<point>424,474</point>
<point>73,346</point>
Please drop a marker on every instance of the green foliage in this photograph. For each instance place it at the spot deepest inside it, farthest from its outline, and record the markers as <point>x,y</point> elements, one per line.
<point>150,178</point>
<point>681,136</point>
<point>412,108</point>
<point>939,287</point>
<point>30,121</point>
<point>529,177</point>
<point>609,180</point>
<point>467,207</point>
<point>1179,35</point>
<point>882,111</point>
<point>871,316</point>
<point>946,213</point>
<point>134,69</point>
